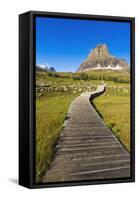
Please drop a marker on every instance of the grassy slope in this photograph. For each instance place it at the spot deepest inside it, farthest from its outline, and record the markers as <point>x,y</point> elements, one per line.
<point>51,111</point>
<point>75,78</point>
<point>114,108</point>
<point>50,114</point>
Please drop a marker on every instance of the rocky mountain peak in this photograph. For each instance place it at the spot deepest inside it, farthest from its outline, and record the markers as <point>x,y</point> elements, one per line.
<point>100,58</point>
<point>100,50</point>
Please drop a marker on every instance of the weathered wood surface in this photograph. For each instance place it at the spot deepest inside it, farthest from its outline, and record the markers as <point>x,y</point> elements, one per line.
<point>87,149</point>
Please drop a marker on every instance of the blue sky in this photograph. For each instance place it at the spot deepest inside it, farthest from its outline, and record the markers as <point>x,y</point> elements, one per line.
<point>65,43</point>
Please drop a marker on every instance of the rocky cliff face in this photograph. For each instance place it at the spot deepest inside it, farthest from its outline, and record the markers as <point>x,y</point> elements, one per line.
<point>100,58</point>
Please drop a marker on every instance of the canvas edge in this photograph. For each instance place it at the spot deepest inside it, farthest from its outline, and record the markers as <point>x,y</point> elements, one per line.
<point>31,183</point>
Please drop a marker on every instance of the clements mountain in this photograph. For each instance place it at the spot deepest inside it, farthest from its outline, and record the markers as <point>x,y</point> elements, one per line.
<point>100,59</point>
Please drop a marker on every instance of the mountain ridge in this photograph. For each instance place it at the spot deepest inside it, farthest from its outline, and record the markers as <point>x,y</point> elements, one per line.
<point>43,67</point>
<point>100,58</point>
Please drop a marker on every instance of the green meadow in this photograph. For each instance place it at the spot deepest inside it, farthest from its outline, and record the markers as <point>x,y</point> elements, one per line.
<point>114,108</point>
<point>54,95</point>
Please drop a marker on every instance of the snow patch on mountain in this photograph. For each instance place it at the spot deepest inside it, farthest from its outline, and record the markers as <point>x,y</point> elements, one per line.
<point>45,67</point>
<point>117,67</point>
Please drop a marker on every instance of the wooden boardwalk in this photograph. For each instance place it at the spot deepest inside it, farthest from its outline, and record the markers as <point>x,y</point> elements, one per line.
<point>87,149</point>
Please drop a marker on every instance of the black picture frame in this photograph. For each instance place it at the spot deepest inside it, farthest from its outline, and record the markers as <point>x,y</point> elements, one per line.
<point>27,98</point>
